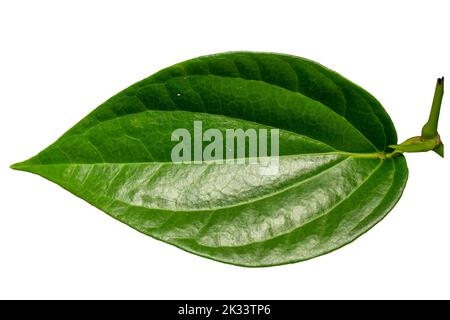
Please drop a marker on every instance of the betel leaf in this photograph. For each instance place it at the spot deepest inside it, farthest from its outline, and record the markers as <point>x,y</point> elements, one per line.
<point>332,186</point>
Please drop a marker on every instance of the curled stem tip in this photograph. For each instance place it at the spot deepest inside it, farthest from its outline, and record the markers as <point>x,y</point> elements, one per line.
<point>430,139</point>
<point>429,130</point>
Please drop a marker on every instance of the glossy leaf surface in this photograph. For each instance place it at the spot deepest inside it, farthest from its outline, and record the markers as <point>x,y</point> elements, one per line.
<point>327,193</point>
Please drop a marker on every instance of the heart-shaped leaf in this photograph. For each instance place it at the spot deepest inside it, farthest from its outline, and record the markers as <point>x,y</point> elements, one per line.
<point>331,184</point>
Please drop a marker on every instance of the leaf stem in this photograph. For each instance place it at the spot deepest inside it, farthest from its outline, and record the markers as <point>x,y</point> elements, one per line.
<point>379,155</point>
<point>373,155</point>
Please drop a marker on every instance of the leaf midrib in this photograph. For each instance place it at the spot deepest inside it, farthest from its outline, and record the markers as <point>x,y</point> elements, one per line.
<point>24,165</point>
<point>241,203</point>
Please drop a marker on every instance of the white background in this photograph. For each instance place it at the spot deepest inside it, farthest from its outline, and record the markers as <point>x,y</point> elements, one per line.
<point>60,59</point>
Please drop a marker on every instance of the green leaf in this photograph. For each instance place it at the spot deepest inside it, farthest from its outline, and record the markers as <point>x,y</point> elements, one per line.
<point>332,185</point>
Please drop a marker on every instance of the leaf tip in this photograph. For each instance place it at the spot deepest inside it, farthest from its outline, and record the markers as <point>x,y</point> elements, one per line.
<point>21,166</point>
<point>15,166</point>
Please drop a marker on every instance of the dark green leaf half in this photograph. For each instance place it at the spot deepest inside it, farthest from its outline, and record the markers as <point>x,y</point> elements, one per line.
<point>325,195</point>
